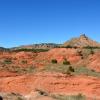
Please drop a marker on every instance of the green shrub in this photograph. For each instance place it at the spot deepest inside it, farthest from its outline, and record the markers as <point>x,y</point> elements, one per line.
<point>54,61</point>
<point>24,61</point>
<point>42,92</point>
<point>65,62</point>
<point>71,69</point>
<point>19,98</point>
<point>92,52</point>
<point>30,50</point>
<point>7,61</point>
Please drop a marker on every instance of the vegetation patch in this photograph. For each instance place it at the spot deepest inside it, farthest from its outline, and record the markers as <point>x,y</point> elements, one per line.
<point>42,92</point>
<point>65,69</point>
<point>31,50</point>
<point>21,70</point>
<point>7,61</point>
<point>11,96</point>
<point>66,62</point>
<point>69,69</point>
<point>86,71</point>
<point>24,61</point>
<point>69,97</point>
<point>54,61</point>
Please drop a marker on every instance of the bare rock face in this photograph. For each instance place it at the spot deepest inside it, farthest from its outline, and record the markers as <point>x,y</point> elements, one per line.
<point>82,41</point>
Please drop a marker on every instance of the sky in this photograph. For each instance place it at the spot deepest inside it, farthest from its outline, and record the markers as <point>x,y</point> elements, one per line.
<point>47,21</point>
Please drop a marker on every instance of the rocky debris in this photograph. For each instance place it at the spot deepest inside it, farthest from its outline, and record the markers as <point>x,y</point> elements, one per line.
<point>11,96</point>
<point>31,96</point>
<point>36,95</point>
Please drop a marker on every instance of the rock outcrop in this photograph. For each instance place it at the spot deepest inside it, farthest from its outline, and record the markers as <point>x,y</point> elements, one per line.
<point>82,41</point>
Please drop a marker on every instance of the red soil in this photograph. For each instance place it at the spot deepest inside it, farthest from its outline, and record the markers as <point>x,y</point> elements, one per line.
<point>43,58</point>
<point>52,83</point>
<point>94,62</point>
<point>49,82</point>
<point>7,74</point>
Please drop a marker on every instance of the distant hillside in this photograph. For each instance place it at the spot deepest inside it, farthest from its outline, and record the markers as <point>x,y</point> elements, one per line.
<point>37,46</point>
<point>82,41</point>
<point>3,49</point>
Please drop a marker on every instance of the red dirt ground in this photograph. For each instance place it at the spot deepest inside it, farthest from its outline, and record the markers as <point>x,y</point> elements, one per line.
<point>52,83</point>
<point>41,59</point>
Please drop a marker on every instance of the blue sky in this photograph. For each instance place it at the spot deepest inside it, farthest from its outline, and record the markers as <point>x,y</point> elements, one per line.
<point>35,21</point>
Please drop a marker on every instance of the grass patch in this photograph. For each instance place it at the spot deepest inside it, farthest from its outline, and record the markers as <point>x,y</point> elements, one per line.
<point>68,69</point>
<point>69,97</point>
<point>7,61</point>
<point>85,70</point>
<point>21,70</point>
<point>61,97</point>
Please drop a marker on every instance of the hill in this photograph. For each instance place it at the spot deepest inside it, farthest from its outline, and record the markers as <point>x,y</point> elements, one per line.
<point>82,41</point>
<point>57,73</point>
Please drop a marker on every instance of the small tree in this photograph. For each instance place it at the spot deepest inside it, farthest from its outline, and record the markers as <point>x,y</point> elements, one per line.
<point>54,61</point>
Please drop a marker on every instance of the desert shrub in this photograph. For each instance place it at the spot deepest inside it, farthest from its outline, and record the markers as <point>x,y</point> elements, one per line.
<point>80,53</point>
<point>54,61</point>
<point>92,70</point>
<point>69,46</point>
<point>42,92</point>
<point>71,69</point>
<point>24,61</point>
<point>19,98</point>
<point>65,62</point>
<point>91,52</point>
<point>7,61</point>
